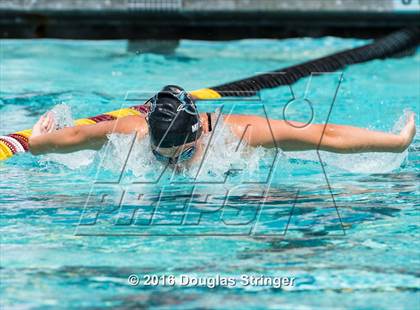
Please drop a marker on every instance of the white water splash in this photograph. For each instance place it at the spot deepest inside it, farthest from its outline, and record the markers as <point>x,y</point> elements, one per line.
<point>63,118</point>
<point>121,153</point>
<point>223,155</point>
<point>62,115</point>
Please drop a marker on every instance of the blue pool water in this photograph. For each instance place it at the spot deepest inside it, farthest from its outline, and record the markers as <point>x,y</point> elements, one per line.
<point>55,252</point>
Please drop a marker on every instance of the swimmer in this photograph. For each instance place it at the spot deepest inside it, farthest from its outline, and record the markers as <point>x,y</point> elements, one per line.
<point>175,128</point>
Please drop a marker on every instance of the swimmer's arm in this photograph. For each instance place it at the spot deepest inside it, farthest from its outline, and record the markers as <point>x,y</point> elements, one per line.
<point>335,138</point>
<point>85,137</point>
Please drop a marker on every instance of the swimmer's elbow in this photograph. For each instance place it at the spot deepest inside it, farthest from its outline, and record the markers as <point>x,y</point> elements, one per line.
<point>75,139</point>
<point>333,141</point>
<point>75,135</point>
<point>83,138</point>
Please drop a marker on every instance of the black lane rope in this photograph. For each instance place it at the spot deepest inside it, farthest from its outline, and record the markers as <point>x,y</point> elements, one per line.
<point>396,43</point>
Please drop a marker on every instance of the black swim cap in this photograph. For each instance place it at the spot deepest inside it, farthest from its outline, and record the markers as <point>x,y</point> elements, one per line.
<point>173,118</point>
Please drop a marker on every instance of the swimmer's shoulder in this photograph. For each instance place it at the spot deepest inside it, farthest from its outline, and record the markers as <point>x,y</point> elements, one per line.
<point>243,119</point>
<point>246,126</point>
<point>133,123</point>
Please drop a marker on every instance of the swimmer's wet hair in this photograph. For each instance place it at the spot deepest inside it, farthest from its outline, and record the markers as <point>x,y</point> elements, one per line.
<point>173,118</point>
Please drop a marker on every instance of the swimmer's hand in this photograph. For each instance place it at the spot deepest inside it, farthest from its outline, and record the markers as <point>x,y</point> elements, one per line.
<point>44,125</point>
<point>409,131</point>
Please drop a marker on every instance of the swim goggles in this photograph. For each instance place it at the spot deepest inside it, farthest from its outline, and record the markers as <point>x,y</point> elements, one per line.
<point>186,154</point>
